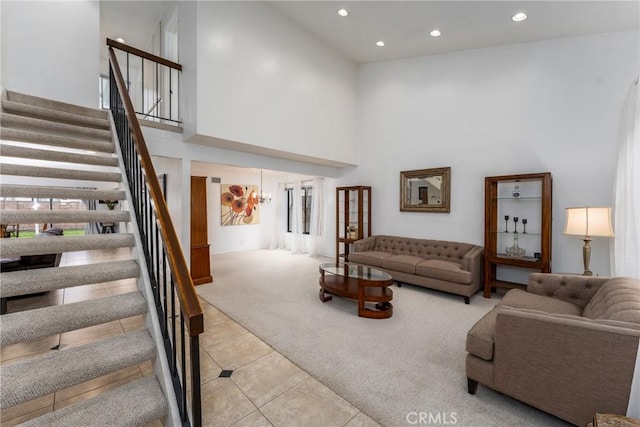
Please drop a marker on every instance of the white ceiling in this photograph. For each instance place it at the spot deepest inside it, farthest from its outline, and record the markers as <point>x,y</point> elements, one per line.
<point>405,25</point>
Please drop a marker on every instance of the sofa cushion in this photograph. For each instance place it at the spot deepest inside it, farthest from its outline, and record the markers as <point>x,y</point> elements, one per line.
<point>403,263</point>
<point>373,258</point>
<point>444,270</point>
<point>617,299</point>
<point>480,338</point>
<point>518,298</point>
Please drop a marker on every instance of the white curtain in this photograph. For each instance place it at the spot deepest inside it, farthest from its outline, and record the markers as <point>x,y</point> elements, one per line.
<point>279,232</point>
<point>295,240</point>
<point>297,228</point>
<point>626,243</point>
<point>317,218</point>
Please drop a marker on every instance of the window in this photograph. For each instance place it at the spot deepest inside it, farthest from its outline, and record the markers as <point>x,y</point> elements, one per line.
<point>27,203</point>
<point>104,92</point>
<point>305,209</point>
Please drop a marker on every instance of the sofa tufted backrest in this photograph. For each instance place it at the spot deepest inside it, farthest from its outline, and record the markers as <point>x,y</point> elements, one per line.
<point>617,299</point>
<point>423,248</point>
<point>571,288</point>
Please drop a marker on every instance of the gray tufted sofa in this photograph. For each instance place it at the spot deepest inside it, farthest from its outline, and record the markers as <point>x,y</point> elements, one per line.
<point>567,345</point>
<point>446,266</point>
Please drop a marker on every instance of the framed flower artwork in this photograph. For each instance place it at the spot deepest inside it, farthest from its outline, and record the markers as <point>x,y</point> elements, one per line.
<point>239,204</point>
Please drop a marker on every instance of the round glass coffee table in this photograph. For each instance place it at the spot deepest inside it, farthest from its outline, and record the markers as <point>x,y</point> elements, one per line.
<point>360,282</point>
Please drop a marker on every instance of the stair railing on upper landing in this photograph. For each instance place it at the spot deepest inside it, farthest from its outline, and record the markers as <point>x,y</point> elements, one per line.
<point>153,88</point>
<point>170,278</point>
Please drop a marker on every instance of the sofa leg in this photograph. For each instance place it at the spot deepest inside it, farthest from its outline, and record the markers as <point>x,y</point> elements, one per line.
<point>472,386</point>
<point>467,300</point>
<point>399,284</point>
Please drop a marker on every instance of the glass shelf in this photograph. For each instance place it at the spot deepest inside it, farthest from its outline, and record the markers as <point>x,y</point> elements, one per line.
<point>521,258</point>
<point>518,198</point>
<point>511,233</point>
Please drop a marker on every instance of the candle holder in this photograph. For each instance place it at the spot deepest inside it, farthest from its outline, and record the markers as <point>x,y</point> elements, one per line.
<point>506,223</point>
<point>524,224</point>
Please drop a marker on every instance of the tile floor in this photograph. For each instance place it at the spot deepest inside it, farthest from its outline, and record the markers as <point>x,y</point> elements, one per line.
<point>264,389</point>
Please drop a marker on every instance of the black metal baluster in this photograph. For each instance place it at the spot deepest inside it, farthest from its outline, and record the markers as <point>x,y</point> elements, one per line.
<point>196,407</point>
<point>157,259</point>
<point>183,348</point>
<point>178,103</point>
<point>174,364</point>
<point>165,319</point>
<point>128,79</point>
<point>157,107</point>
<point>142,88</point>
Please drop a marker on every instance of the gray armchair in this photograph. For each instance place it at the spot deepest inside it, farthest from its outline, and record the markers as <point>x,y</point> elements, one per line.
<point>567,346</point>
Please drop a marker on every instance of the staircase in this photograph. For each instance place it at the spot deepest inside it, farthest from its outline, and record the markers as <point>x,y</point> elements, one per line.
<point>46,143</point>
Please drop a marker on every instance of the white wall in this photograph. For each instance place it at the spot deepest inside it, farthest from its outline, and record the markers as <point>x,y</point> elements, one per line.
<point>187,57</point>
<point>51,49</point>
<point>237,237</point>
<point>264,81</point>
<point>545,106</point>
<point>179,160</point>
<point>172,169</point>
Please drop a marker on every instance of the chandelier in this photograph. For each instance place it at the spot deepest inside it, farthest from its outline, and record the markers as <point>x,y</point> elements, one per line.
<point>262,196</point>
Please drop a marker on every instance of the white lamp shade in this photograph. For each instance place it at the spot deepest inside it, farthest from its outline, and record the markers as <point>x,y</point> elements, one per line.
<point>588,221</point>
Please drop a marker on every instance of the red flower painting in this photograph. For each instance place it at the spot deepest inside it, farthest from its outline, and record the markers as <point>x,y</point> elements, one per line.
<point>239,204</point>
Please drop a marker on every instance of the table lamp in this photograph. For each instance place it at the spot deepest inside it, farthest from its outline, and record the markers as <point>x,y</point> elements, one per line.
<point>588,222</point>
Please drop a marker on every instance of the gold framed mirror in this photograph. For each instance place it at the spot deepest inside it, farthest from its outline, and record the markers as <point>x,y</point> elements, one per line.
<point>425,190</point>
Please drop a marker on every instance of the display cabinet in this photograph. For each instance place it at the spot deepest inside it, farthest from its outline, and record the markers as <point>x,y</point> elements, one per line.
<point>353,218</point>
<point>517,227</point>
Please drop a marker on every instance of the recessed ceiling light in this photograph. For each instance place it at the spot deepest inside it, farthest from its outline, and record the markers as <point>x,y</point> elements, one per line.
<point>343,12</point>
<point>519,17</point>
<point>379,43</point>
<point>121,40</point>
<point>435,33</point>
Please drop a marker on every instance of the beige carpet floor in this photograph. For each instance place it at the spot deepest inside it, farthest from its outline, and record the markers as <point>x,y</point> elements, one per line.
<point>395,370</point>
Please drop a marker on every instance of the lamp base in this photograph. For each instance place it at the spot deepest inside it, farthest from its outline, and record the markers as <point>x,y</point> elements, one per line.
<point>586,256</point>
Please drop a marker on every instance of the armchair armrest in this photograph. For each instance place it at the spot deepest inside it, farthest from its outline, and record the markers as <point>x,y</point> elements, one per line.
<point>366,244</point>
<point>571,288</point>
<point>569,366</point>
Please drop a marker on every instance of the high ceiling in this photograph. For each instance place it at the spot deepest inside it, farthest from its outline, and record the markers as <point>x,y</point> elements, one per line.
<point>404,26</point>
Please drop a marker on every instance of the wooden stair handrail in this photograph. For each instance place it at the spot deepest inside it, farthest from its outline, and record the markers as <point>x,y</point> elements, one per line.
<point>189,302</point>
<point>143,54</point>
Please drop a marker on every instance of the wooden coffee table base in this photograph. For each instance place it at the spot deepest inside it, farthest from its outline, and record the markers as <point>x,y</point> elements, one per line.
<point>363,291</point>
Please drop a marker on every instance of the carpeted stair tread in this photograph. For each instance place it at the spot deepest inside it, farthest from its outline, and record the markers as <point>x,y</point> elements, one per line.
<point>18,190</point>
<point>76,144</point>
<point>55,105</point>
<point>59,173</point>
<point>22,122</point>
<point>38,376</point>
<point>44,113</point>
<point>25,282</point>
<point>31,325</point>
<point>22,135</point>
<point>24,216</point>
<point>136,404</point>
<point>56,244</point>
<point>7,150</point>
